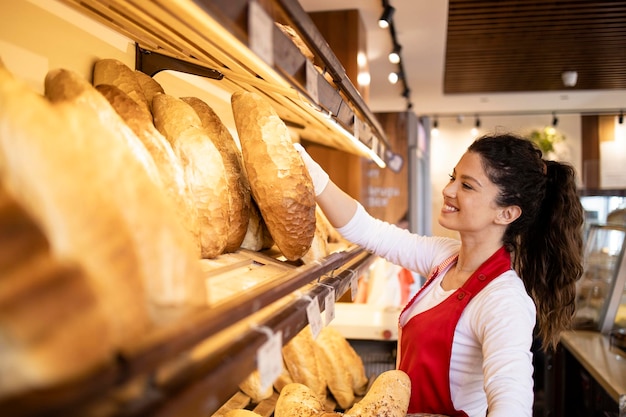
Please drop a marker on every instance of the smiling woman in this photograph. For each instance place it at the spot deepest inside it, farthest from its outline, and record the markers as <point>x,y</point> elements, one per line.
<point>474,318</point>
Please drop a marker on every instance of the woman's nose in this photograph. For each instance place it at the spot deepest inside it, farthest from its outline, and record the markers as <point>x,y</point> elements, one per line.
<point>449,190</point>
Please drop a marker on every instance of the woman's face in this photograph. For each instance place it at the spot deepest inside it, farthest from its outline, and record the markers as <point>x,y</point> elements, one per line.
<point>469,199</point>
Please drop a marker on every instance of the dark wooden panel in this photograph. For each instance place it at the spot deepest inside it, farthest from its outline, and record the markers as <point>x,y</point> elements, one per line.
<point>523,45</point>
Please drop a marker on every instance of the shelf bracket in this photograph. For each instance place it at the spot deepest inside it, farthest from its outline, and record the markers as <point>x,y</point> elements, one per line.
<point>151,63</point>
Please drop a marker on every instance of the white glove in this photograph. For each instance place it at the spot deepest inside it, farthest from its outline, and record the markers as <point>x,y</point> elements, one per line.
<point>318,175</point>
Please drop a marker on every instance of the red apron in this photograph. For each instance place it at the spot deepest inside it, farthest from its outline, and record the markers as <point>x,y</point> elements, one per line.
<point>426,339</point>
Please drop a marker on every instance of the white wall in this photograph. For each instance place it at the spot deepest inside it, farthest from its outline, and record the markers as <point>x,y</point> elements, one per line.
<point>454,138</point>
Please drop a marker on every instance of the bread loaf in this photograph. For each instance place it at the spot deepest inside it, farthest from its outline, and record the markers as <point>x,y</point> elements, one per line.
<point>170,169</point>
<point>149,86</point>
<point>114,72</point>
<point>335,368</point>
<point>166,251</point>
<point>239,207</point>
<point>204,169</point>
<point>298,400</point>
<point>251,386</point>
<point>257,236</point>
<point>38,144</point>
<point>341,354</point>
<point>66,85</point>
<point>49,315</point>
<point>279,181</point>
<point>301,360</point>
<point>389,396</point>
<point>241,413</point>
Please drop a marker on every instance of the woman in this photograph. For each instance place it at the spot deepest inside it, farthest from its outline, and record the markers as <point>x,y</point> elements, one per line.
<point>465,337</point>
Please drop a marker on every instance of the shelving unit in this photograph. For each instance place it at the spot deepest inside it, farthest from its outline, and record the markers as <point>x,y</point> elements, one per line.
<point>196,363</point>
<point>237,44</point>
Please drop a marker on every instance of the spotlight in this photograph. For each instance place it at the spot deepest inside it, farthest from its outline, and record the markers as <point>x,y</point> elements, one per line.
<point>385,18</point>
<point>555,120</point>
<point>393,77</point>
<point>406,92</point>
<point>394,56</point>
<point>620,118</point>
<point>477,123</point>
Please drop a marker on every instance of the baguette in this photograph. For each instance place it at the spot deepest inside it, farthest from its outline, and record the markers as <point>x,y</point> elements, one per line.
<point>301,359</point>
<point>279,181</point>
<point>204,169</point>
<point>171,173</point>
<point>239,195</point>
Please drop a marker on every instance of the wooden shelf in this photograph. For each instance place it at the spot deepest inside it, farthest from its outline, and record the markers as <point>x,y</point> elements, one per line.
<point>239,40</point>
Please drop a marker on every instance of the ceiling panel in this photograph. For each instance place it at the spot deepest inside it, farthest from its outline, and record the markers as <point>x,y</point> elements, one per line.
<point>524,46</point>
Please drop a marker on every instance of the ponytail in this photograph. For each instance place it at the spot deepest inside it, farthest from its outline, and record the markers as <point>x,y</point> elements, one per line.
<point>549,255</point>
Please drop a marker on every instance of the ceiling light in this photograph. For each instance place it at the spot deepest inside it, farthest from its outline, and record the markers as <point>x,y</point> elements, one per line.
<point>394,56</point>
<point>555,120</point>
<point>477,122</point>
<point>569,78</point>
<point>393,77</point>
<point>385,18</point>
<point>406,93</point>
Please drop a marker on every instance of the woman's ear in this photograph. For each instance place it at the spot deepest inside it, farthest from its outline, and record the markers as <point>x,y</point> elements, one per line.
<point>508,214</point>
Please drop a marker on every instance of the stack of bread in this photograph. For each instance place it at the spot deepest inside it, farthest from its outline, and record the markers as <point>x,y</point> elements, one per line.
<point>131,187</point>
<point>326,375</point>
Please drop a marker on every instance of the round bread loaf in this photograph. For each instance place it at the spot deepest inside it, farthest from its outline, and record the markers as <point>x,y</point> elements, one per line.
<point>241,413</point>
<point>171,171</point>
<point>239,195</point>
<point>297,399</point>
<point>204,169</point>
<point>279,181</point>
<point>389,395</point>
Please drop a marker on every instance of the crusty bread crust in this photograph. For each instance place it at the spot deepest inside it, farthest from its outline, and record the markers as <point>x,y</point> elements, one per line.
<point>279,181</point>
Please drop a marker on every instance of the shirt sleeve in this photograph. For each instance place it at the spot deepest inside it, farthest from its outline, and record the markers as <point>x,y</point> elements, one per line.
<point>399,246</point>
<point>505,324</point>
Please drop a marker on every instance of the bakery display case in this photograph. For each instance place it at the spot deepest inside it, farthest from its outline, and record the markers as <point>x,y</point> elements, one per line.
<point>600,298</point>
<point>193,361</point>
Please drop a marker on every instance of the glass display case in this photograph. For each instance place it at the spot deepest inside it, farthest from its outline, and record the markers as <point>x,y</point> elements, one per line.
<point>601,296</point>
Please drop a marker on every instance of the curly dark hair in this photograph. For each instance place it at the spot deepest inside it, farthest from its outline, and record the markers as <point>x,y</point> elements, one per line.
<point>546,240</point>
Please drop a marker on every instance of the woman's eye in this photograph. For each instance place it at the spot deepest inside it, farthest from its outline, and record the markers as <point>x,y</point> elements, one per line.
<point>467,186</point>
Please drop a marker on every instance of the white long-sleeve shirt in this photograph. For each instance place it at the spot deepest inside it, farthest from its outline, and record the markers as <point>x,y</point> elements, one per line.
<point>491,364</point>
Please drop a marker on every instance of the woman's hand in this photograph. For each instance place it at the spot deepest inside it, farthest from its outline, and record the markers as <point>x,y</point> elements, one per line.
<point>318,175</point>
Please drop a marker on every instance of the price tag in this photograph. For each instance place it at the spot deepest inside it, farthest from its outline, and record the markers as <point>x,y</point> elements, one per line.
<point>269,358</point>
<point>311,81</point>
<point>329,302</point>
<point>261,33</point>
<point>315,317</point>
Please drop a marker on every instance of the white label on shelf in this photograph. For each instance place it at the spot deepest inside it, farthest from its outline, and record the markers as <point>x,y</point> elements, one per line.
<point>269,359</point>
<point>311,81</point>
<point>315,317</point>
<point>329,308</point>
<point>260,33</point>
